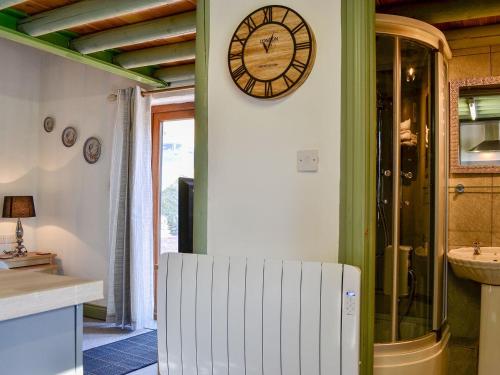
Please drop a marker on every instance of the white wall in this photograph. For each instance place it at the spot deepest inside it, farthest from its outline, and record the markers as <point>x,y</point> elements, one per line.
<point>258,204</point>
<point>19,107</point>
<point>72,197</point>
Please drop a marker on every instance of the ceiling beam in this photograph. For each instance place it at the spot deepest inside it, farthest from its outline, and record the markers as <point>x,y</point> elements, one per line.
<point>46,46</point>
<point>445,11</point>
<point>82,12</point>
<point>168,27</point>
<point>171,53</point>
<point>479,36</point>
<point>176,73</point>
<point>9,3</point>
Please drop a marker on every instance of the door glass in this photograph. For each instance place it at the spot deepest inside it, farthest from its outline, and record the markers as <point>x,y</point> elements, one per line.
<point>417,192</point>
<point>385,122</point>
<point>177,160</point>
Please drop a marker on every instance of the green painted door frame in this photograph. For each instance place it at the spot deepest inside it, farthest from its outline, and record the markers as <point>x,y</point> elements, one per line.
<point>201,129</point>
<point>358,150</point>
<point>357,210</point>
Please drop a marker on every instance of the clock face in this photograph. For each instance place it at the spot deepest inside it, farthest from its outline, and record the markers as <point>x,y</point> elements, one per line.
<point>271,52</point>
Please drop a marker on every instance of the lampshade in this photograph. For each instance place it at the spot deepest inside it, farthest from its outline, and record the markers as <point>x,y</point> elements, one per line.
<point>18,206</point>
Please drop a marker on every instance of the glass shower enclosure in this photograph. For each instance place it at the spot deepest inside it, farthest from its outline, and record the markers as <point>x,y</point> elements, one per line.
<point>411,188</point>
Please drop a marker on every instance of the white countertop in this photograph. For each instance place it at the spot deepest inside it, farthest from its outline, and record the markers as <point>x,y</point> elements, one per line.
<point>26,293</point>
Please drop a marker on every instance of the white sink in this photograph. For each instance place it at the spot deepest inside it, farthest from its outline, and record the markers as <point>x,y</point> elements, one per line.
<point>483,268</point>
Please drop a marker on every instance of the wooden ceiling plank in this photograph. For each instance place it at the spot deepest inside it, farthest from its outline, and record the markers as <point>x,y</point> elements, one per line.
<point>157,55</point>
<point>83,12</point>
<point>142,32</point>
<point>441,12</point>
<point>176,73</point>
<point>4,4</point>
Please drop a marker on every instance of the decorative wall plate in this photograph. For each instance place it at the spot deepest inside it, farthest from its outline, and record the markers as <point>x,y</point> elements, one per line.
<point>69,136</point>
<point>271,52</point>
<point>48,124</point>
<point>92,150</point>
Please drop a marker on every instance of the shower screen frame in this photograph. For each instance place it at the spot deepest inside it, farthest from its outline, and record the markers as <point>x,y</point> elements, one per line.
<point>425,35</point>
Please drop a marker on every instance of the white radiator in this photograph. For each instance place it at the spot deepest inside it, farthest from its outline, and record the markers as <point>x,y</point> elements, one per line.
<point>249,316</point>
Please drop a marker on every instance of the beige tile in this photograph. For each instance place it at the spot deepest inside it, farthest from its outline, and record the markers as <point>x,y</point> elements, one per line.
<point>495,63</point>
<point>470,66</point>
<point>470,212</point>
<point>496,183</point>
<point>464,302</point>
<point>473,183</point>
<point>495,239</point>
<point>471,178</point>
<point>495,220</point>
<point>465,239</point>
<point>469,51</point>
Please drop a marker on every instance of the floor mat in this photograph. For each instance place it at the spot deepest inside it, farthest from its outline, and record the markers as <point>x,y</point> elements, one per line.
<point>122,357</point>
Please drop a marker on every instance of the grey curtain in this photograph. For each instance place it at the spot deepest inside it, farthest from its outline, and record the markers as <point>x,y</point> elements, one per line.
<point>130,288</point>
<point>120,220</point>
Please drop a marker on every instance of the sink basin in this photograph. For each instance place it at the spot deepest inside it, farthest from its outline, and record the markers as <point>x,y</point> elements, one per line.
<point>483,268</point>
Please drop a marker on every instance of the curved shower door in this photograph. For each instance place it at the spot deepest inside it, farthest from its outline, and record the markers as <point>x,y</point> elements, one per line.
<point>405,258</point>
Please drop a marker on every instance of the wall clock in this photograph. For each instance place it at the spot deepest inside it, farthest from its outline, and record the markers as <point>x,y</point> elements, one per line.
<point>271,52</point>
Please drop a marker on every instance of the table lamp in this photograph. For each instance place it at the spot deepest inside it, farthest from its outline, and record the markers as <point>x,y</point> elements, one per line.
<point>18,207</point>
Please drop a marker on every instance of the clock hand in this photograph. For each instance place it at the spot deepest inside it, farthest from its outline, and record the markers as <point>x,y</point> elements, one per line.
<point>270,42</point>
<point>265,46</point>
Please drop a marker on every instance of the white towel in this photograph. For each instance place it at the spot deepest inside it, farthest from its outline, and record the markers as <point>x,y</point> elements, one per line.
<point>405,125</point>
<point>406,135</point>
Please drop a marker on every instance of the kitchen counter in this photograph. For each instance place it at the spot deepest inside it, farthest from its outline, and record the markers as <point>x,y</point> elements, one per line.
<point>41,322</point>
<point>29,293</point>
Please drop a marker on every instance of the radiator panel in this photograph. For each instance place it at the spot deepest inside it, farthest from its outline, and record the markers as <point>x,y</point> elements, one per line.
<point>250,316</point>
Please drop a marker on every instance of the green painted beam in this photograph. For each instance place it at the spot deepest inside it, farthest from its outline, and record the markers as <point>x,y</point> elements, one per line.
<point>157,55</point>
<point>168,27</point>
<point>83,12</point>
<point>358,150</point>
<point>4,4</point>
<point>176,73</point>
<point>436,12</point>
<point>16,36</point>
<point>201,126</point>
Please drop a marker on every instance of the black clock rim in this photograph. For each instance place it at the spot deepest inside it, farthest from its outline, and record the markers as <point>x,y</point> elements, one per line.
<point>302,75</point>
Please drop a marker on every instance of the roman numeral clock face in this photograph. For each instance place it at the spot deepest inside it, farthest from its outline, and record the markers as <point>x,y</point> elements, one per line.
<point>271,52</point>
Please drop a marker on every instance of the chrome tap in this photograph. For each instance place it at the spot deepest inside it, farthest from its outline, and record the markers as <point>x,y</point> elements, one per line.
<point>477,248</point>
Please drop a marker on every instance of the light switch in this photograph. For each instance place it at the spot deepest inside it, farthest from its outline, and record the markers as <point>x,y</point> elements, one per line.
<point>307,160</point>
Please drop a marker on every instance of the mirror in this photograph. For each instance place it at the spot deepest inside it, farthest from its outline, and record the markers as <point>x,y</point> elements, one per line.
<point>475,125</point>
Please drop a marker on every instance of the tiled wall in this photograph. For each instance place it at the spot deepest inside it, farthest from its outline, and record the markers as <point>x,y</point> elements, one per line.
<point>475,214</point>
<point>472,216</point>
